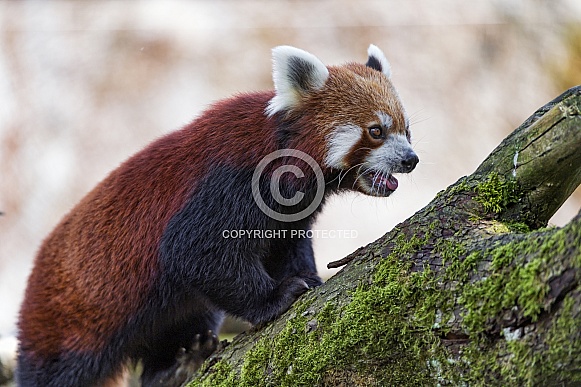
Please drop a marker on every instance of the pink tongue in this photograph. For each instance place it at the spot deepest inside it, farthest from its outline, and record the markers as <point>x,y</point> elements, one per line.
<point>391,183</point>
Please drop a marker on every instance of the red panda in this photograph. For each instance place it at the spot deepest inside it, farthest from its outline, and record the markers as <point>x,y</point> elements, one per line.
<point>141,268</point>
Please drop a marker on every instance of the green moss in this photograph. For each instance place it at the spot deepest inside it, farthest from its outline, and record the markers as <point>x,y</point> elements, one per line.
<point>394,316</point>
<point>563,340</point>
<point>222,376</point>
<point>520,363</point>
<point>390,331</point>
<point>516,283</point>
<point>511,283</point>
<point>460,187</point>
<point>496,194</point>
<point>501,227</point>
<point>462,269</point>
<point>449,249</point>
<point>498,228</point>
<point>518,227</point>
<point>519,272</point>
<point>518,278</point>
<point>255,365</point>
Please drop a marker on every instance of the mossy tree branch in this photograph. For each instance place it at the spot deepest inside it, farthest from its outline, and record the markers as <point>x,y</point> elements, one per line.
<point>542,156</point>
<point>468,290</point>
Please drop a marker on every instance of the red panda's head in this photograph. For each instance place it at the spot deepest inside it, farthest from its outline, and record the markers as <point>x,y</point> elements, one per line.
<point>349,118</point>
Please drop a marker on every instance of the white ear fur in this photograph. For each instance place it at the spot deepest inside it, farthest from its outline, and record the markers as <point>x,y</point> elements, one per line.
<point>378,61</point>
<point>295,73</point>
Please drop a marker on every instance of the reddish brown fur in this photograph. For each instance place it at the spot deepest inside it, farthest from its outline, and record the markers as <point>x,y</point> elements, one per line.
<point>129,274</point>
<point>84,300</point>
<point>68,292</point>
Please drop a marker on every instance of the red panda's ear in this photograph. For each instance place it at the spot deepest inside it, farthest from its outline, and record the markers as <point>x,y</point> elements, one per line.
<point>378,61</point>
<point>295,73</point>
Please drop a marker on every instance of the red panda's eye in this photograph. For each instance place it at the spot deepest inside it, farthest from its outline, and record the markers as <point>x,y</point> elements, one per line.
<point>376,131</point>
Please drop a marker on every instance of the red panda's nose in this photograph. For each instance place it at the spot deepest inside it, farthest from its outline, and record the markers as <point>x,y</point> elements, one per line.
<point>410,161</point>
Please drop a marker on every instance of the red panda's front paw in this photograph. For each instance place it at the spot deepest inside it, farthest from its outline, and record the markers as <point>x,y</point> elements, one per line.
<point>204,345</point>
<point>291,289</point>
<point>187,361</point>
<point>312,280</point>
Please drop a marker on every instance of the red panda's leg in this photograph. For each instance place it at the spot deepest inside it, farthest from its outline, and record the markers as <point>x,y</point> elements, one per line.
<point>182,347</point>
<point>249,292</point>
<point>187,361</point>
<point>237,283</point>
<point>69,370</point>
<point>301,262</point>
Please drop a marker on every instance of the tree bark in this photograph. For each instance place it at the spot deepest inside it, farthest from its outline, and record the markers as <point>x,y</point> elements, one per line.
<point>471,290</point>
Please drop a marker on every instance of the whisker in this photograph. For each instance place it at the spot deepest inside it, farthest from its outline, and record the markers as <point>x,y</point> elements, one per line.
<point>374,179</point>
<point>347,171</point>
<point>355,166</point>
<point>418,141</point>
<point>340,178</point>
<point>366,171</point>
<point>420,110</point>
<point>385,186</point>
<point>419,121</point>
<point>375,176</point>
<point>357,176</point>
<point>340,174</point>
<point>330,181</point>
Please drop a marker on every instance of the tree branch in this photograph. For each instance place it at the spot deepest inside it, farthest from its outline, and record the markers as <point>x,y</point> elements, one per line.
<point>461,292</point>
<point>543,155</point>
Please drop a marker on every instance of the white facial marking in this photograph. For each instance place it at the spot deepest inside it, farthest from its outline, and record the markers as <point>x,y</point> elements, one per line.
<point>340,142</point>
<point>388,157</point>
<point>385,119</point>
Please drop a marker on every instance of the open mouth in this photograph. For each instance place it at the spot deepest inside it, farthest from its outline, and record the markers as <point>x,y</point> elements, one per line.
<point>381,183</point>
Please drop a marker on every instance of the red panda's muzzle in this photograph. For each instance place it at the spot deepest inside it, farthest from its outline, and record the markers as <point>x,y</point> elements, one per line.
<point>378,183</point>
<point>389,182</point>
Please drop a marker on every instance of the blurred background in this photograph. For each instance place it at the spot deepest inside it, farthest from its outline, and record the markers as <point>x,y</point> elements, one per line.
<point>85,84</point>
